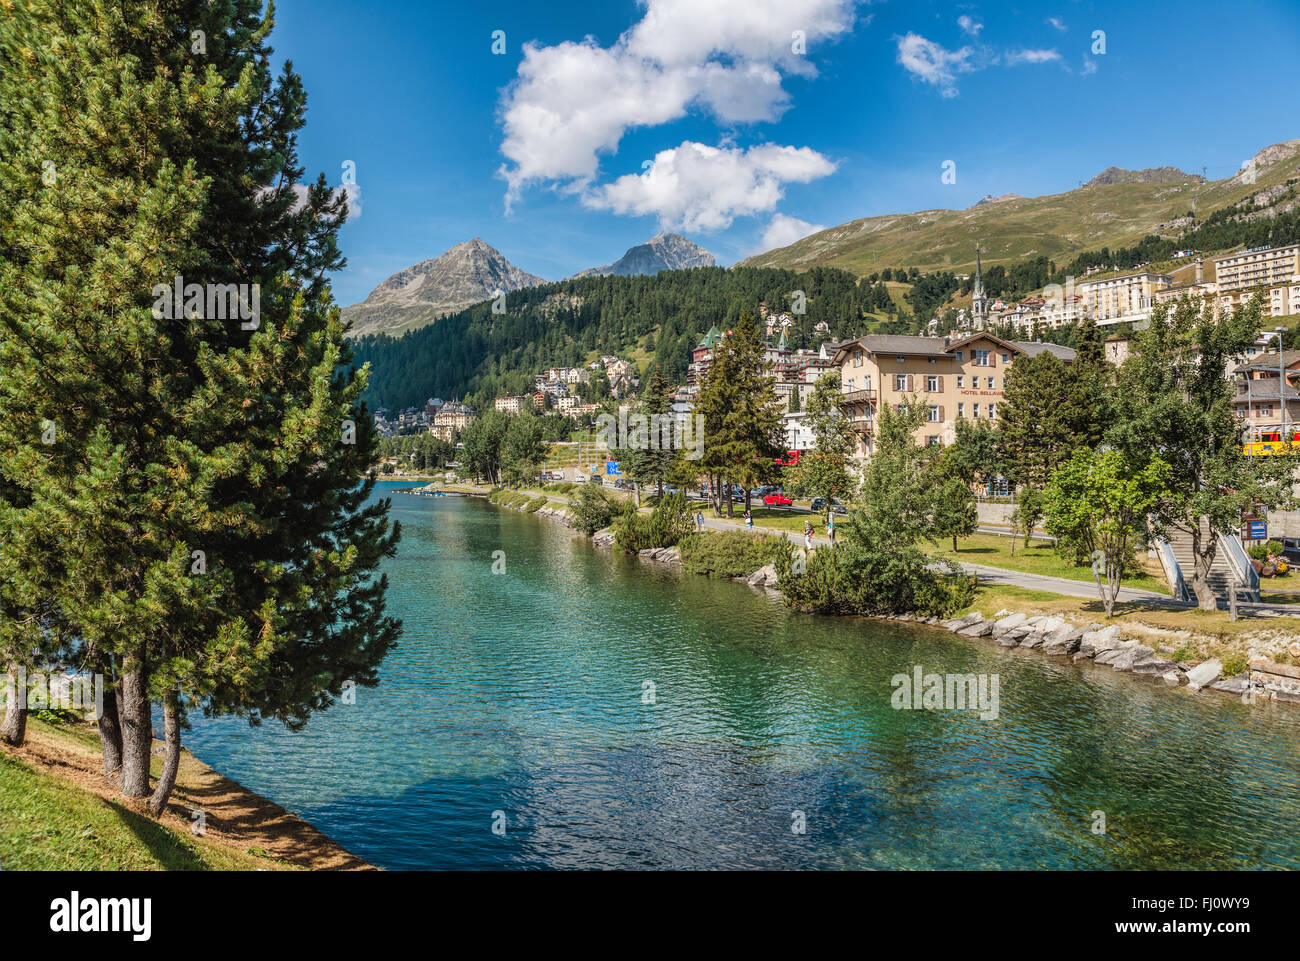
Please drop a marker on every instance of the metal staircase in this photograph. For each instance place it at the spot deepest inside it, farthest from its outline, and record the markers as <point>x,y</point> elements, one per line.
<point>1231,568</point>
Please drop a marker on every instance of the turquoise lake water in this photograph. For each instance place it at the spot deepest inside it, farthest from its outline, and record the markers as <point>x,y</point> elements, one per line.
<point>518,700</point>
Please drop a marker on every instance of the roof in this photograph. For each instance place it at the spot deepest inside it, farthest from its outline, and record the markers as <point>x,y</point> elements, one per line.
<point>1267,361</point>
<point>711,337</point>
<point>910,345</point>
<point>1034,348</point>
<point>1267,393</point>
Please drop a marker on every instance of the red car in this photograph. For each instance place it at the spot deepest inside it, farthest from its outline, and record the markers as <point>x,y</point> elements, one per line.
<point>777,500</point>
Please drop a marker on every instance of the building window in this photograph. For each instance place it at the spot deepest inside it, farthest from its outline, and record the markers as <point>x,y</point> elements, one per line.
<point>961,410</point>
<point>981,358</point>
<point>975,411</point>
<point>1006,358</point>
<point>932,383</point>
<point>932,414</point>
<point>901,360</point>
<point>993,411</point>
<point>961,380</point>
<point>959,355</point>
<point>900,382</point>
<point>932,361</point>
<point>932,440</point>
<point>993,383</point>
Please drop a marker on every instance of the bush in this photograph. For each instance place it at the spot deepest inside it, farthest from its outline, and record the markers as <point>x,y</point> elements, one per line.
<point>593,509</point>
<point>858,577</point>
<point>729,553</point>
<point>536,504</point>
<point>664,527</point>
<point>1234,665</point>
<point>1262,552</point>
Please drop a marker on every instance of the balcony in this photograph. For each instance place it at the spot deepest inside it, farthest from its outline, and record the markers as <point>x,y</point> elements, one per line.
<point>861,424</point>
<point>858,397</point>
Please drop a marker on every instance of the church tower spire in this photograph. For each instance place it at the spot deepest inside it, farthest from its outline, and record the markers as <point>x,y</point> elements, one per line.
<point>979,306</point>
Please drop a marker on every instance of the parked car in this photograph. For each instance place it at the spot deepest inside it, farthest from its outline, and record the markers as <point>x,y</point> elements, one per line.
<point>819,505</point>
<point>777,500</point>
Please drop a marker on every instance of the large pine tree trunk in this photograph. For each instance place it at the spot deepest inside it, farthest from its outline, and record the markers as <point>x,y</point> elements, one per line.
<point>110,734</point>
<point>137,732</point>
<point>14,729</point>
<point>171,757</point>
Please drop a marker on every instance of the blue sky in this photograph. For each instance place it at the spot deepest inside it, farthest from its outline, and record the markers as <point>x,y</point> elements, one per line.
<point>603,123</point>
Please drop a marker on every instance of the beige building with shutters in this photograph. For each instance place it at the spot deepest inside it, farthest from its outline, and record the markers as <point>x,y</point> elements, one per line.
<point>954,378</point>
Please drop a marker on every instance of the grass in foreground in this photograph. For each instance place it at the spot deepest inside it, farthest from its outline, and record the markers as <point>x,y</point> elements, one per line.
<point>50,824</point>
<point>1039,557</point>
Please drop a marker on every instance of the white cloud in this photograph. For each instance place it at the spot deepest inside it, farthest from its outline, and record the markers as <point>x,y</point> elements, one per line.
<point>972,27</point>
<point>1089,66</point>
<point>1057,23</point>
<point>695,187</point>
<point>1016,57</point>
<point>939,66</point>
<point>785,230</point>
<point>933,63</point>
<point>571,103</point>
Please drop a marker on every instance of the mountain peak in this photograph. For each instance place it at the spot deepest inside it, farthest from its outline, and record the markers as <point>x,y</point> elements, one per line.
<point>470,272</point>
<point>663,251</point>
<point>1150,175</point>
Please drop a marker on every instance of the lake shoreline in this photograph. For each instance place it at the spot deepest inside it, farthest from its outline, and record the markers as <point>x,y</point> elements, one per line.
<point>1262,682</point>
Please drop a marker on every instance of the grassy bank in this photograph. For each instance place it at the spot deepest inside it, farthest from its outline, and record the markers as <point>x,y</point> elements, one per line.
<point>1040,557</point>
<point>58,813</point>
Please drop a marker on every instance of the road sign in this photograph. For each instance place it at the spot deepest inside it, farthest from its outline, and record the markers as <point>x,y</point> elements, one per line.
<point>611,469</point>
<point>1258,531</point>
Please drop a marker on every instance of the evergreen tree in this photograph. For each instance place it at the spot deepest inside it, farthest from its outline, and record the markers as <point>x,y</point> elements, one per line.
<point>205,472</point>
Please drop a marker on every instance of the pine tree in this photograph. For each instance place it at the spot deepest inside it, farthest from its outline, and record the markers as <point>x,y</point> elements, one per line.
<point>209,479</point>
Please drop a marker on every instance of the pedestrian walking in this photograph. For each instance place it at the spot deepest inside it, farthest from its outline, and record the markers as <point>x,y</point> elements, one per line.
<point>699,521</point>
<point>749,519</point>
<point>830,529</point>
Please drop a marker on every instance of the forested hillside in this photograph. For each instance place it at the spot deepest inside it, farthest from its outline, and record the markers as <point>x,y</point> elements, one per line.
<point>477,355</point>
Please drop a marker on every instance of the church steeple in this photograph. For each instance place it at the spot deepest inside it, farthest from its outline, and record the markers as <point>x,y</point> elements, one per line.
<point>979,305</point>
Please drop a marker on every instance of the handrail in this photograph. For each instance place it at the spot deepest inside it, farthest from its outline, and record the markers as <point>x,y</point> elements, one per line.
<point>1239,561</point>
<point>1173,571</point>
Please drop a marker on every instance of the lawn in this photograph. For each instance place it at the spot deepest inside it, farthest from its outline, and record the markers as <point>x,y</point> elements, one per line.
<point>50,824</point>
<point>1039,557</point>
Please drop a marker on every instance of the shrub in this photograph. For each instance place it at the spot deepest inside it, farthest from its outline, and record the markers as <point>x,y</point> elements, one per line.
<point>536,504</point>
<point>593,509</point>
<point>862,577</point>
<point>667,524</point>
<point>729,553</point>
<point>1235,664</point>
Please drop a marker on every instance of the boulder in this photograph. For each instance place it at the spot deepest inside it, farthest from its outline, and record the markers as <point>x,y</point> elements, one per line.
<point>1031,640</point>
<point>957,623</point>
<point>1064,641</point>
<point>1094,642</point>
<point>1154,665</point>
<point>1126,658</point>
<point>1204,674</point>
<point>763,577</point>
<point>1008,622</point>
<point>980,628</point>
<point>1229,685</point>
<point>1170,678</point>
<point>1049,625</point>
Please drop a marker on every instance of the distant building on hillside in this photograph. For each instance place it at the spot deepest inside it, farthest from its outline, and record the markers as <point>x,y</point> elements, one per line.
<point>513,405</point>
<point>450,420</point>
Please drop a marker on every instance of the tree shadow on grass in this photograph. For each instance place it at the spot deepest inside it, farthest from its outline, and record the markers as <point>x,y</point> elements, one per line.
<point>171,852</point>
